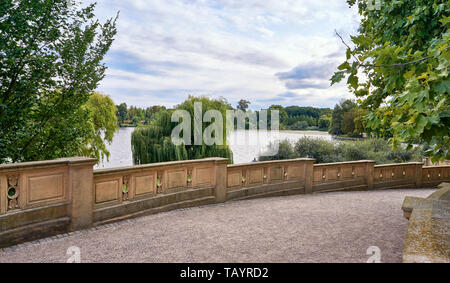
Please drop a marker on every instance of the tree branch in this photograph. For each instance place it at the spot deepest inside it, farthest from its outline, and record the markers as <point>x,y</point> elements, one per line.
<point>382,65</point>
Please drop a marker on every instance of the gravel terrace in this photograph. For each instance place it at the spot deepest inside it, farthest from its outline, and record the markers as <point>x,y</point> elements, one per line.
<point>327,227</point>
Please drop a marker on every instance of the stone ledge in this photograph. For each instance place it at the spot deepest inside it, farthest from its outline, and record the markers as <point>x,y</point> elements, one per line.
<point>34,231</point>
<point>48,163</point>
<point>428,236</point>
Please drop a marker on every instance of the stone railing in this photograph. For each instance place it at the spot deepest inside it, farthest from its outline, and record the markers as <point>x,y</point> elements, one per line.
<point>39,199</point>
<point>434,175</point>
<point>357,175</point>
<point>143,189</point>
<point>269,178</point>
<point>402,175</point>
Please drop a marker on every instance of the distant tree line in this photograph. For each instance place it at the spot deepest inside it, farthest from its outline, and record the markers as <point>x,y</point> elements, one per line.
<point>291,117</point>
<point>303,118</point>
<point>132,116</point>
<point>346,119</point>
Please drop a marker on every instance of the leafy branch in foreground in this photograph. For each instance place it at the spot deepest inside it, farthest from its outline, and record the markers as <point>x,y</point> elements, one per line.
<point>398,68</point>
<point>51,56</point>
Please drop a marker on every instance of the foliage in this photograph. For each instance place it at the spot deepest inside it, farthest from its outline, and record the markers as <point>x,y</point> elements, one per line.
<point>326,151</point>
<point>133,116</point>
<point>345,119</point>
<point>51,60</point>
<point>285,151</point>
<point>102,124</point>
<point>153,143</point>
<point>300,118</point>
<point>243,105</point>
<point>403,51</point>
<point>299,125</point>
<point>323,151</point>
<point>324,122</point>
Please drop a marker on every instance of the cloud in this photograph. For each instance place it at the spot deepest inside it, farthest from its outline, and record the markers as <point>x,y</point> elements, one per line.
<point>167,49</point>
<point>308,75</point>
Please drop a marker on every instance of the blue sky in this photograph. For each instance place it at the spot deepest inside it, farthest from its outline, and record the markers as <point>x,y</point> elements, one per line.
<point>265,51</point>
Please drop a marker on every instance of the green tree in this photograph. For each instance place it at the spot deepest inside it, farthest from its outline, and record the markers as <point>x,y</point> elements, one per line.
<point>324,122</point>
<point>122,113</point>
<point>343,118</point>
<point>102,125</point>
<point>51,60</point>
<point>243,104</point>
<point>403,50</point>
<point>348,121</point>
<point>153,143</point>
<point>283,116</point>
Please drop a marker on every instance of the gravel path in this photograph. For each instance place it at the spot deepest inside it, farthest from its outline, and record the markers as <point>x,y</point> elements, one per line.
<point>328,227</point>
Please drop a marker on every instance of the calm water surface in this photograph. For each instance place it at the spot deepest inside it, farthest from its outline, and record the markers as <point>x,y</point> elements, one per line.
<point>244,148</point>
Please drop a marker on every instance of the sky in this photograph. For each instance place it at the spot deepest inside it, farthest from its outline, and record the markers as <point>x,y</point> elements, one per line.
<point>265,51</point>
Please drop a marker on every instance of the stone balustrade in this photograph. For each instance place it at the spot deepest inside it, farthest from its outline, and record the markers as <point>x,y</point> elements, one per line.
<point>269,178</point>
<point>354,175</point>
<point>45,198</point>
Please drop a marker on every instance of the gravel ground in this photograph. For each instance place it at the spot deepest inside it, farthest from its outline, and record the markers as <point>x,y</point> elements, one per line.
<point>328,227</point>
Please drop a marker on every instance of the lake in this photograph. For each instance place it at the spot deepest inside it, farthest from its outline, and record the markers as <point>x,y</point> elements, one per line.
<point>245,145</point>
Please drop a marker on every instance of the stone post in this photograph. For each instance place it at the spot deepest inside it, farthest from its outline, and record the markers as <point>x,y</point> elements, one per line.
<point>3,194</point>
<point>309,171</point>
<point>369,173</point>
<point>81,178</point>
<point>220,165</point>
<point>418,174</point>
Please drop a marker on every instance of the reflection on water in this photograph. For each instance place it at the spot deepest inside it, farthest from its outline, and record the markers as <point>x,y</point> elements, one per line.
<point>244,144</point>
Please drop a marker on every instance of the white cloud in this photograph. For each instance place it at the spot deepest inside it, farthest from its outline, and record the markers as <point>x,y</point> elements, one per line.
<point>166,49</point>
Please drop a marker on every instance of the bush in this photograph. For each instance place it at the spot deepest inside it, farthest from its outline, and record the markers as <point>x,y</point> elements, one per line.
<point>327,151</point>
<point>285,151</point>
<point>299,125</point>
<point>323,151</point>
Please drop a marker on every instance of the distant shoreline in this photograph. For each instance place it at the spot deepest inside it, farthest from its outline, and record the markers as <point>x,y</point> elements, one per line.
<point>307,132</point>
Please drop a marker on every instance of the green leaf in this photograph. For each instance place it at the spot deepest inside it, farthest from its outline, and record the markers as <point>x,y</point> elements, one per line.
<point>445,20</point>
<point>442,87</point>
<point>344,66</point>
<point>353,81</point>
<point>337,77</point>
<point>445,114</point>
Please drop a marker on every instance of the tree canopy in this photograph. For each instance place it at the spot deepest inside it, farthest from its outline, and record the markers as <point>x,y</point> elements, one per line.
<point>243,105</point>
<point>346,119</point>
<point>51,54</point>
<point>153,143</point>
<point>398,68</point>
<point>101,126</point>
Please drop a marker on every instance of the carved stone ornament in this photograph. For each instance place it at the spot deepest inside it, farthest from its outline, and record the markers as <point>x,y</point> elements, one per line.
<point>189,177</point>
<point>125,188</point>
<point>159,183</point>
<point>13,192</point>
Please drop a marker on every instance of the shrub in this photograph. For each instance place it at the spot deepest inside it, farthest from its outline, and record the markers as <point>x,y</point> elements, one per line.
<point>324,151</point>
<point>285,151</point>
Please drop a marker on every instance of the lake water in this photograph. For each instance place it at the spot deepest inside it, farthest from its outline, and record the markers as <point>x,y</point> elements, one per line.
<point>246,145</point>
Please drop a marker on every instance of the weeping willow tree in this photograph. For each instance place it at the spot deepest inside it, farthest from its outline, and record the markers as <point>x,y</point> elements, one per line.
<point>153,143</point>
